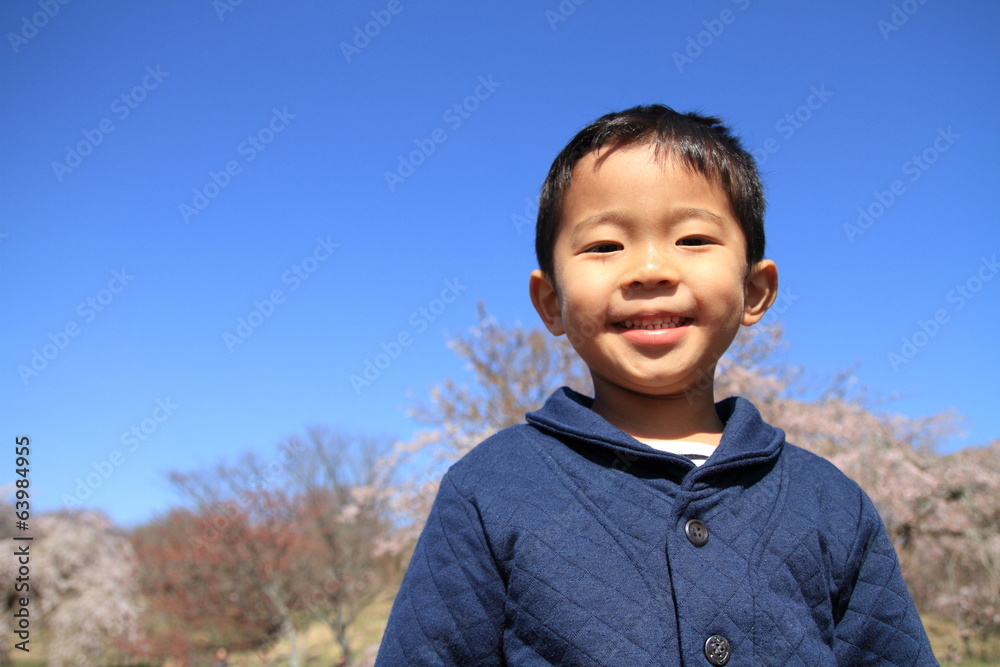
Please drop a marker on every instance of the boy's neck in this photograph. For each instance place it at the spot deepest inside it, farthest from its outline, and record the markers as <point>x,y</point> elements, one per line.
<point>672,417</point>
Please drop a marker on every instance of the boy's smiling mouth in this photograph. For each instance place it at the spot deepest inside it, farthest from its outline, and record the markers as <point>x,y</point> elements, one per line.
<point>653,329</point>
<point>652,322</point>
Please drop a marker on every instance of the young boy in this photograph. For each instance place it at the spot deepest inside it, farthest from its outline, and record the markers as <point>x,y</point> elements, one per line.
<point>650,525</point>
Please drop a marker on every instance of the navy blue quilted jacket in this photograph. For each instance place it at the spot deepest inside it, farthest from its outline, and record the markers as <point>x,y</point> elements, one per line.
<point>566,541</point>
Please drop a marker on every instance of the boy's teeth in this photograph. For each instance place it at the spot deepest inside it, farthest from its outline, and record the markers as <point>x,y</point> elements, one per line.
<point>663,323</point>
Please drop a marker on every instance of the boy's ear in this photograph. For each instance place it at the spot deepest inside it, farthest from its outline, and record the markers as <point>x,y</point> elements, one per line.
<point>546,302</point>
<point>760,292</point>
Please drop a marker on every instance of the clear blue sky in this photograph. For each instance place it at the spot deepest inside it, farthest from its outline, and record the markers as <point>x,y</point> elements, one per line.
<point>130,285</point>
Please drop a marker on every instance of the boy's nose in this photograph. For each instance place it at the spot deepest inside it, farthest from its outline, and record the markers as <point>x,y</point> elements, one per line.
<point>653,268</point>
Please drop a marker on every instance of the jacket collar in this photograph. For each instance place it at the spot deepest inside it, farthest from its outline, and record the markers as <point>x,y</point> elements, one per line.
<point>746,440</point>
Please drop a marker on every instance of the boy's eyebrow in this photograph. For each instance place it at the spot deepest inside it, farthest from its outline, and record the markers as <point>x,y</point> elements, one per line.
<point>597,219</point>
<point>694,212</point>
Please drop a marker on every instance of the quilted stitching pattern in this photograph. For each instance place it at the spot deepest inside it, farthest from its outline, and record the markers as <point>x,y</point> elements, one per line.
<point>543,548</point>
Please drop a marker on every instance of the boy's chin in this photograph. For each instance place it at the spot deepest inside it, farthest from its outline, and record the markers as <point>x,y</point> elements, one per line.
<point>659,390</point>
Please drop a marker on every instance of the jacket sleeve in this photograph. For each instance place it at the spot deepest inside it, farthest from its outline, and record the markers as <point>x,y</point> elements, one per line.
<point>449,609</point>
<point>878,624</point>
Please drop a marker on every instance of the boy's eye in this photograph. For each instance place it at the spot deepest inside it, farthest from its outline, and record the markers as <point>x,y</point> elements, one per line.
<point>695,241</point>
<point>605,247</point>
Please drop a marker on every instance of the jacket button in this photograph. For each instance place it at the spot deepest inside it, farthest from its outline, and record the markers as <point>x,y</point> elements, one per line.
<point>717,650</point>
<point>696,532</point>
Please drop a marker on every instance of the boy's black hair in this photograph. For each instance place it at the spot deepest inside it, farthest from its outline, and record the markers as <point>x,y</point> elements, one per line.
<point>701,143</point>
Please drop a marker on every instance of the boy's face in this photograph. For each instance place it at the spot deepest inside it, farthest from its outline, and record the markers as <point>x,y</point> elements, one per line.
<point>650,273</point>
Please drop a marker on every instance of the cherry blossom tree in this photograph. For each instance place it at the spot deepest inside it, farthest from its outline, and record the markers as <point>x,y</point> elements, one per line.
<point>344,488</point>
<point>8,576</point>
<point>84,578</point>
<point>514,369</point>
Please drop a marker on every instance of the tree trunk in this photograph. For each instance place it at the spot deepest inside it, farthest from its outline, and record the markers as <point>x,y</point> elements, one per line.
<point>287,623</point>
<point>340,631</point>
<point>294,660</point>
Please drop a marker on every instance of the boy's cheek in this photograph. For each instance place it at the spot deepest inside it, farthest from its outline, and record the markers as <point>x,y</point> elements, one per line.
<point>580,330</point>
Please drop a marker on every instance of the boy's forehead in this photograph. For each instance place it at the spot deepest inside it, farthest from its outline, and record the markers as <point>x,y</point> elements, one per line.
<point>639,169</point>
<point>595,159</point>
